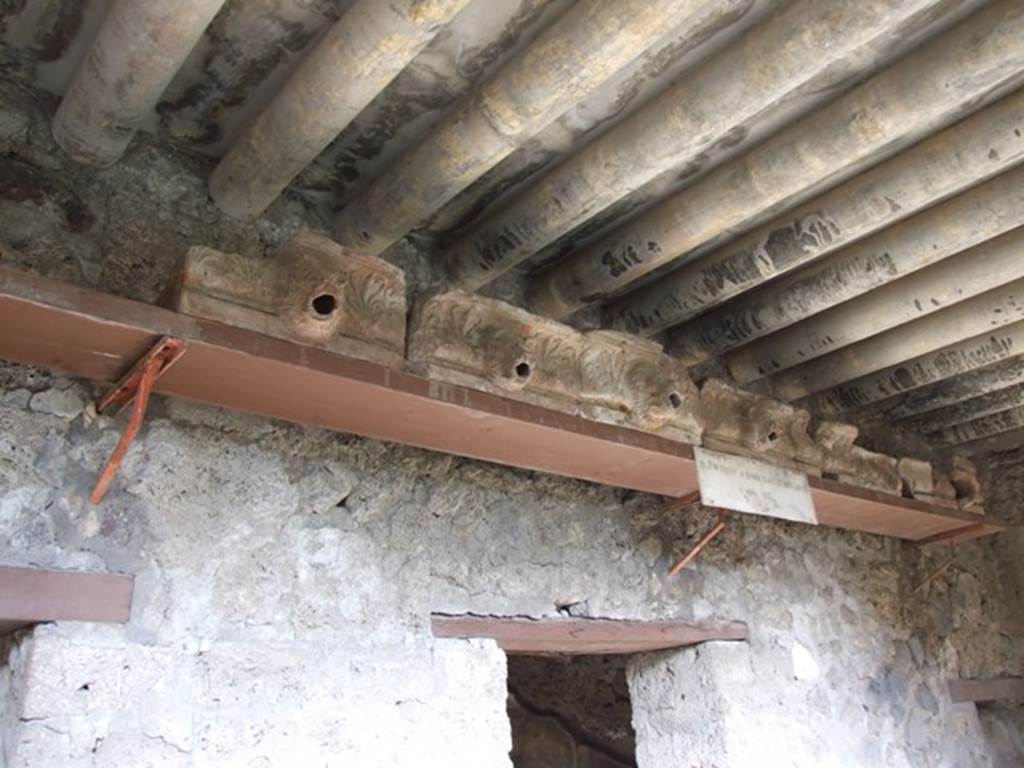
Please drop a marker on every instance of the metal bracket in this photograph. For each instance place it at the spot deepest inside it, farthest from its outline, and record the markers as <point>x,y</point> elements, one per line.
<point>952,539</point>
<point>136,386</point>
<point>723,516</point>
<point>938,572</point>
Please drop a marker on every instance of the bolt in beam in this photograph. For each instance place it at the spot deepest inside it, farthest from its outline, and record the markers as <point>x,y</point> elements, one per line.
<point>355,60</point>
<point>922,92</point>
<point>769,74</point>
<point>585,46</point>
<point>990,310</point>
<point>971,151</point>
<point>948,392</point>
<point>136,54</point>
<point>980,428</point>
<point>962,357</point>
<point>970,273</point>
<point>968,410</point>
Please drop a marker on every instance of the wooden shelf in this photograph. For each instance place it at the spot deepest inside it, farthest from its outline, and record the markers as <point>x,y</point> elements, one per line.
<point>32,595</point>
<point>86,333</point>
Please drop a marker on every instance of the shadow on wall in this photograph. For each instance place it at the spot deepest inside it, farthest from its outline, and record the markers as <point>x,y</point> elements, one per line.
<point>570,712</point>
<point>1003,727</point>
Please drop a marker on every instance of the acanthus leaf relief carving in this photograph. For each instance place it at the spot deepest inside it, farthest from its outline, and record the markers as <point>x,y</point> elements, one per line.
<point>850,463</point>
<point>312,290</point>
<point>479,343</point>
<point>737,421</point>
<point>605,376</point>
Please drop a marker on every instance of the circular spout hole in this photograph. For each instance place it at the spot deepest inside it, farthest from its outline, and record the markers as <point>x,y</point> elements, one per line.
<point>675,401</point>
<point>773,436</point>
<point>324,304</point>
<point>523,370</point>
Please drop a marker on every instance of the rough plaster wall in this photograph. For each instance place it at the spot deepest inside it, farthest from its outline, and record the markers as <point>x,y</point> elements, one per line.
<point>285,575</point>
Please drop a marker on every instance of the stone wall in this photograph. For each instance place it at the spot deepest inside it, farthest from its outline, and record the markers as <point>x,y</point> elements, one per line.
<point>7,704</point>
<point>285,576</point>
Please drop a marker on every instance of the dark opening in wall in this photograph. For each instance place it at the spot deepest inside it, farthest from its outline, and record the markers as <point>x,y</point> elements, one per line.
<point>570,712</point>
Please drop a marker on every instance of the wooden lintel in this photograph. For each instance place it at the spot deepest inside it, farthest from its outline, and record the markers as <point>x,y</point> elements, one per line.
<point>33,595</point>
<point>579,636</point>
<point>86,333</point>
<point>1000,689</point>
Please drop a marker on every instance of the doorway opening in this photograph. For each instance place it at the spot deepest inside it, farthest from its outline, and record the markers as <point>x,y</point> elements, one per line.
<point>570,712</point>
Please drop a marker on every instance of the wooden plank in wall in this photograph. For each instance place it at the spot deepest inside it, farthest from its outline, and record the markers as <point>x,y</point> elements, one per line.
<point>33,595</point>
<point>579,636</point>
<point>86,333</point>
<point>1000,689</point>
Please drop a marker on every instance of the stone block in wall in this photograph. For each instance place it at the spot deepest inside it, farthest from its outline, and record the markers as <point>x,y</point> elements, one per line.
<point>853,464</point>
<point>313,291</point>
<point>737,421</point>
<point>489,345</point>
<point>963,475</point>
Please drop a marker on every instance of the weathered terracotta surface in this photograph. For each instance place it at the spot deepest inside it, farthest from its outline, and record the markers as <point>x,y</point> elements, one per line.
<point>923,481</point>
<point>313,291</point>
<point>964,477</point>
<point>628,380</point>
<point>740,422</point>
<point>485,344</point>
<point>852,464</point>
<point>611,377</point>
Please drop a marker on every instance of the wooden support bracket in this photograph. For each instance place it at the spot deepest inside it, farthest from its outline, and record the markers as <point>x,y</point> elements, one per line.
<point>723,516</point>
<point>136,386</point>
<point>937,573</point>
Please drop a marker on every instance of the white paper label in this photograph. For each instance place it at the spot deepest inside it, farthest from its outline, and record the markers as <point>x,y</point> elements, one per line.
<point>748,485</point>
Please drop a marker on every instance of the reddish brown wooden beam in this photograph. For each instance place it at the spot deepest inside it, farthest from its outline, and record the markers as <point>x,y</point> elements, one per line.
<point>518,635</point>
<point>32,595</point>
<point>863,509</point>
<point>53,324</point>
<point>967,690</point>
